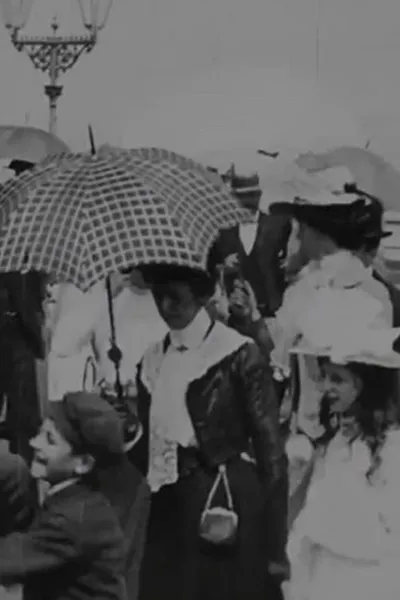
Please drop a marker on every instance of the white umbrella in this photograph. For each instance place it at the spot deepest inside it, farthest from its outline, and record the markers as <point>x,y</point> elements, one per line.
<point>243,109</point>
<point>281,179</point>
<point>371,172</point>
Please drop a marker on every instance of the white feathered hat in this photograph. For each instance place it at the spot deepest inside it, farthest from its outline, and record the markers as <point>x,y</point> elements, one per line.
<point>347,325</point>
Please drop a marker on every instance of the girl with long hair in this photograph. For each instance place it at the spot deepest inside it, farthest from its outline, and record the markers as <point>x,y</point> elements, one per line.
<point>345,543</point>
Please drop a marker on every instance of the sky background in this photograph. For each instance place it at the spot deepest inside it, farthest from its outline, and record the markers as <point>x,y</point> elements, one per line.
<point>149,45</point>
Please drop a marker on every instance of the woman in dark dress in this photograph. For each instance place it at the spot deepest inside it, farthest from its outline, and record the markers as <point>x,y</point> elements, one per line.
<point>21,344</point>
<point>207,403</point>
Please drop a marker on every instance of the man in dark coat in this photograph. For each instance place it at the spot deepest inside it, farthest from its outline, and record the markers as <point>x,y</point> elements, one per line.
<point>254,251</point>
<point>373,234</point>
<point>394,294</point>
<point>21,344</point>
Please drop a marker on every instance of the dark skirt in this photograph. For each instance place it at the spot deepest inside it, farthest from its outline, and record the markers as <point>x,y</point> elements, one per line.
<point>128,492</point>
<point>18,387</point>
<point>177,565</point>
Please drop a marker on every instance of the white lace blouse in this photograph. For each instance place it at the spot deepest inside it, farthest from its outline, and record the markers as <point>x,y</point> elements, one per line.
<point>348,515</point>
<point>166,376</point>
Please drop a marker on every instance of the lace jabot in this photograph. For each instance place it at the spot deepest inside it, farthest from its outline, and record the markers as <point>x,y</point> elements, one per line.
<point>166,376</point>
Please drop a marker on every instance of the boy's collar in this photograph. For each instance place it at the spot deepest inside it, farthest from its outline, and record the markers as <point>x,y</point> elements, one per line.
<point>62,485</point>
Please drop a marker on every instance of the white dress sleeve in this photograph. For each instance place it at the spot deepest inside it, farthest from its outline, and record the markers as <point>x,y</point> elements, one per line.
<point>390,510</point>
<point>284,327</point>
<point>75,317</point>
<point>390,490</point>
<point>342,512</point>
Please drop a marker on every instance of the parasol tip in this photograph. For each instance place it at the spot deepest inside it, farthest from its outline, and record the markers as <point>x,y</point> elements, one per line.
<point>92,143</point>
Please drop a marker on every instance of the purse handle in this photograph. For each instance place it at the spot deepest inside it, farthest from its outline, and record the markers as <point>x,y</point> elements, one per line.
<point>222,477</point>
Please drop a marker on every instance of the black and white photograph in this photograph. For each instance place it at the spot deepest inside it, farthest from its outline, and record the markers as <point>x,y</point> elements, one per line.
<point>200,300</point>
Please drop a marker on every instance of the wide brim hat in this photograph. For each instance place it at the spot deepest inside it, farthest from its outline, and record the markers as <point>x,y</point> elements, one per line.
<point>371,348</point>
<point>20,166</point>
<point>345,326</point>
<point>243,185</point>
<point>339,180</point>
<point>371,221</point>
<point>336,215</point>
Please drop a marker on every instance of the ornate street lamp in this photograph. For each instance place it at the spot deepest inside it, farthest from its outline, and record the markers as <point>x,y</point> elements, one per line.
<point>54,54</point>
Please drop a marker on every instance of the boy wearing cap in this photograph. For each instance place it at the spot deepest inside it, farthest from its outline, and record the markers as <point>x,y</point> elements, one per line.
<point>75,547</point>
<point>22,347</point>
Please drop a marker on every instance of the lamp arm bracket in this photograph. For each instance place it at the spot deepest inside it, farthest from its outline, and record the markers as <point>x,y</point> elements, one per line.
<point>67,51</point>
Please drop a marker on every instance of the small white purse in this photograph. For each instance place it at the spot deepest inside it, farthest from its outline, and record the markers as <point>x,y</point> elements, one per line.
<point>219,524</point>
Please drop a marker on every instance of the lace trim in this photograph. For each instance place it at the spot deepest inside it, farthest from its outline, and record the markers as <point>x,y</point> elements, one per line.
<point>163,453</point>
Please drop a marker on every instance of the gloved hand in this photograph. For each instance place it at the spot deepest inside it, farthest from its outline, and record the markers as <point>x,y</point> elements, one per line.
<point>243,303</point>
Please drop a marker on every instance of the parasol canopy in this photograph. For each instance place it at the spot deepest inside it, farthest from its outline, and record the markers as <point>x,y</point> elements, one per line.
<point>82,216</point>
<point>280,179</point>
<point>28,144</point>
<point>369,171</point>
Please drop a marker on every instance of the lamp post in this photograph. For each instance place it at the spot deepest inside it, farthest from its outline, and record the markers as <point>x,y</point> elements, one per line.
<point>54,54</point>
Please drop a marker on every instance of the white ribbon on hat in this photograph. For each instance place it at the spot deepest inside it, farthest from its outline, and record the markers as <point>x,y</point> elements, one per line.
<point>328,198</point>
<point>333,178</point>
<point>370,345</point>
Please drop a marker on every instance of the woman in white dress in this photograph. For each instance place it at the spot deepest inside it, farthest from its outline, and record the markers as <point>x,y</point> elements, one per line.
<point>81,331</point>
<point>345,543</point>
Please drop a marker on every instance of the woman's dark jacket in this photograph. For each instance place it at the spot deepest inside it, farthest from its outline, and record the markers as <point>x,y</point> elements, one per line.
<point>21,311</point>
<point>234,402</point>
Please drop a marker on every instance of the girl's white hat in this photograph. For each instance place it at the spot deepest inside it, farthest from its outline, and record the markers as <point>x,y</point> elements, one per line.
<point>347,325</point>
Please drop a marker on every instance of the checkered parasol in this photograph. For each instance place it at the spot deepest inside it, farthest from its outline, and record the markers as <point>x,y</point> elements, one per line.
<point>81,217</point>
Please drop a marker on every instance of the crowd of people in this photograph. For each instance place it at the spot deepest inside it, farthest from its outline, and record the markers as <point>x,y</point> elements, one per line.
<point>191,400</point>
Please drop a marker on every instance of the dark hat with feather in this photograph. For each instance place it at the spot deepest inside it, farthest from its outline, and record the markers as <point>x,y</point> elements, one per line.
<point>350,218</point>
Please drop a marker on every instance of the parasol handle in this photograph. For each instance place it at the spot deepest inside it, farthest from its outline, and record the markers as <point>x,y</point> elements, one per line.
<point>295,393</point>
<point>114,353</point>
